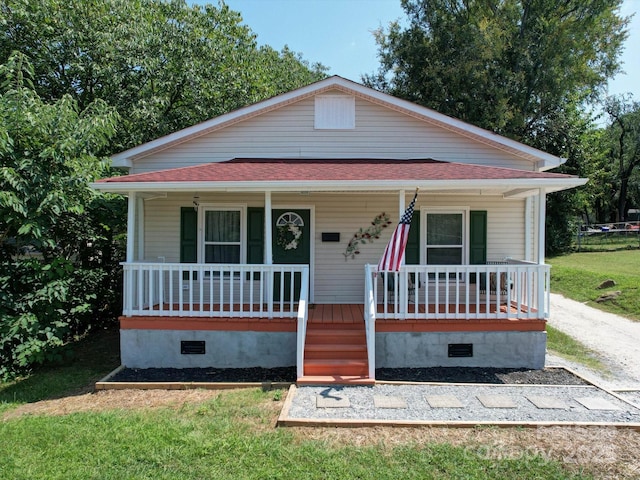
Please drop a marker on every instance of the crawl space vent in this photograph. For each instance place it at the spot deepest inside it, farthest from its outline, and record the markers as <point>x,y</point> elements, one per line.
<point>192,347</point>
<point>461,349</point>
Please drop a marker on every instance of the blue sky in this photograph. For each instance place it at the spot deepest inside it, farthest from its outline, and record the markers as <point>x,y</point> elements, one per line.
<point>337,33</point>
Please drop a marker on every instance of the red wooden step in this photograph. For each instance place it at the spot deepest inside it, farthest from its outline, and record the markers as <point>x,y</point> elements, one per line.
<point>335,367</point>
<point>336,337</point>
<point>335,380</point>
<point>320,351</point>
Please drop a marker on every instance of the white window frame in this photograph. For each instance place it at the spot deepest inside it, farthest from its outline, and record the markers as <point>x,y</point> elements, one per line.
<point>203,208</point>
<point>464,211</point>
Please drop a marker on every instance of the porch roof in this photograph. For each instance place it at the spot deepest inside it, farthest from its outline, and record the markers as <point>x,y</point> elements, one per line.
<point>339,174</point>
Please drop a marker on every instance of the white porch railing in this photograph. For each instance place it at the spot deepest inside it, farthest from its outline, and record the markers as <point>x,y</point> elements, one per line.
<point>214,290</point>
<point>513,289</point>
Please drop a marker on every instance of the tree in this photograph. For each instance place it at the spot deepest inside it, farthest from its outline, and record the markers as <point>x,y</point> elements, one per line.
<point>520,68</point>
<point>163,65</point>
<point>46,163</point>
<point>623,156</point>
<point>508,66</point>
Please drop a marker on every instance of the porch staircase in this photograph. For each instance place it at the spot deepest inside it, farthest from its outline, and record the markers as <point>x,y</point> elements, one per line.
<point>335,354</point>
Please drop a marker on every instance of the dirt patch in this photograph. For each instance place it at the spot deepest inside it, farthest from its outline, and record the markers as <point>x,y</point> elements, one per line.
<point>603,452</point>
<point>113,400</point>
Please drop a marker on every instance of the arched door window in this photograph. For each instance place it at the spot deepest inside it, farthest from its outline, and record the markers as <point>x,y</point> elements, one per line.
<point>289,218</point>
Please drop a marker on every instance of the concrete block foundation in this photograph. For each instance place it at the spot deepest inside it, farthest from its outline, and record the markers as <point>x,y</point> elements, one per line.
<point>223,349</point>
<point>490,349</point>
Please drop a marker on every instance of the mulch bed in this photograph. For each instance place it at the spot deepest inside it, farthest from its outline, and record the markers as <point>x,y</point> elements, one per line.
<point>551,376</point>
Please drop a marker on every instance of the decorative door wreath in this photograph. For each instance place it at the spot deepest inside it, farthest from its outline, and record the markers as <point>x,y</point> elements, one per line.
<point>289,226</point>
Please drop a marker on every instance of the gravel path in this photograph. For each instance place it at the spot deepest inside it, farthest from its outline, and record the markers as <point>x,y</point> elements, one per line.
<point>416,403</point>
<point>615,339</point>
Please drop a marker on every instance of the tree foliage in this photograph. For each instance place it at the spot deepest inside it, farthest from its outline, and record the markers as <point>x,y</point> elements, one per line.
<point>163,65</point>
<point>508,66</point>
<point>46,163</point>
<point>521,68</point>
<point>622,158</point>
<point>101,76</point>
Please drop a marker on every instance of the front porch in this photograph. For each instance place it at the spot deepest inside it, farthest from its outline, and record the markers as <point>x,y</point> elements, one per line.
<point>261,314</point>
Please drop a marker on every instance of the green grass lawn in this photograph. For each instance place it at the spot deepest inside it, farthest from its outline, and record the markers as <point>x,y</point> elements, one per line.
<point>578,275</point>
<point>231,436</point>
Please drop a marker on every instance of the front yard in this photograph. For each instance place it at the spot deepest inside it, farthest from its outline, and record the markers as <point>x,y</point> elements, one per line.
<point>52,426</point>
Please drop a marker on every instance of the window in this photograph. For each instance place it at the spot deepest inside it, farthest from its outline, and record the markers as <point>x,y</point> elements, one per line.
<point>223,235</point>
<point>445,238</point>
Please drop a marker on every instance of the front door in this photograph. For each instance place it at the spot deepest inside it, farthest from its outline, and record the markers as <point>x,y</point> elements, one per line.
<point>291,245</point>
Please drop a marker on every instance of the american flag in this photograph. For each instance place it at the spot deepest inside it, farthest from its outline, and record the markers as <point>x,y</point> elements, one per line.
<point>394,252</point>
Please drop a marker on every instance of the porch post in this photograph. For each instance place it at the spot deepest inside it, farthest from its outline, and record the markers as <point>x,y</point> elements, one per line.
<point>268,251</point>
<point>131,225</point>
<point>542,207</point>
<point>128,284</point>
<point>402,285</point>
<point>268,222</point>
<point>401,201</point>
<point>528,219</point>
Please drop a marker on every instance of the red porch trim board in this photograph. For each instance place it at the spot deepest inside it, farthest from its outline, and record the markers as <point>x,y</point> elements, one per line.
<point>331,315</point>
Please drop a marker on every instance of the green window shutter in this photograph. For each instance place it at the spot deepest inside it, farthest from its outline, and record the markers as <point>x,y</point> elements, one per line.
<point>188,238</point>
<point>188,235</point>
<point>412,251</point>
<point>478,237</point>
<point>255,235</point>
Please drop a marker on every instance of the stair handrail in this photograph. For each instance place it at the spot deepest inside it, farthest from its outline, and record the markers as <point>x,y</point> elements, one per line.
<point>303,315</point>
<point>370,319</point>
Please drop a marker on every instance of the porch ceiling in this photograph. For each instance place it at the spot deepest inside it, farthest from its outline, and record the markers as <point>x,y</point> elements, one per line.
<point>261,174</point>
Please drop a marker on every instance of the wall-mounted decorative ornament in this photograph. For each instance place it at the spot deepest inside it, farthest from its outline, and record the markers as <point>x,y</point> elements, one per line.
<point>368,235</point>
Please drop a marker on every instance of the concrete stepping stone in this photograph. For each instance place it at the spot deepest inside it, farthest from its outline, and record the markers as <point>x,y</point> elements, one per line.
<point>443,401</point>
<point>596,403</point>
<point>496,401</point>
<point>387,401</point>
<point>545,402</point>
<point>333,401</point>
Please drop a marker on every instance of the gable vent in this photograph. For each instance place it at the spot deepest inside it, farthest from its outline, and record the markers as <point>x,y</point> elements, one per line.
<point>335,112</point>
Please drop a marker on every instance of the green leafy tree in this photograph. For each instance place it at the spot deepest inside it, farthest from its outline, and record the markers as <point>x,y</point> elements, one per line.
<point>164,65</point>
<point>508,66</point>
<point>523,69</point>
<point>46,163</point>
<point>623,155</point>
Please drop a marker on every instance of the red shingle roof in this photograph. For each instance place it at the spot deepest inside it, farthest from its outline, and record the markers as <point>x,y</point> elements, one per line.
<point>290,170</point>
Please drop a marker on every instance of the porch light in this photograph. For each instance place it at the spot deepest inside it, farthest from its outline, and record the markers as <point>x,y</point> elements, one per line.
<point>196,202</point>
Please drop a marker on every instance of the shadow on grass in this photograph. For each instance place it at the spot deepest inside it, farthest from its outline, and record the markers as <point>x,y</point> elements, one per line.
<point>90,359</point>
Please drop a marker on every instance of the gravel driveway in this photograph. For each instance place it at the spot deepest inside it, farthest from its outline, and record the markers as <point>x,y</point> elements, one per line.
<point>615,339</point>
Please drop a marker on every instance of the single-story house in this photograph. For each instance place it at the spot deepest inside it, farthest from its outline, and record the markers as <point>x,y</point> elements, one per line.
<point>253,240</point>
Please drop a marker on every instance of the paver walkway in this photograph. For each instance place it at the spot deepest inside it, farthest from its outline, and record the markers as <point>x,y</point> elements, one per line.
<point>457,404</point>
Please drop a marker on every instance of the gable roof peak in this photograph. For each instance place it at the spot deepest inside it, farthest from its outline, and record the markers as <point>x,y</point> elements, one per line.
<point>540,159</point>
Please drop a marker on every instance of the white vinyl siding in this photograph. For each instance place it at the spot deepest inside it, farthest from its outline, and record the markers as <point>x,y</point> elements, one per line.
<point>289,133</point>
<point>337,279</point>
